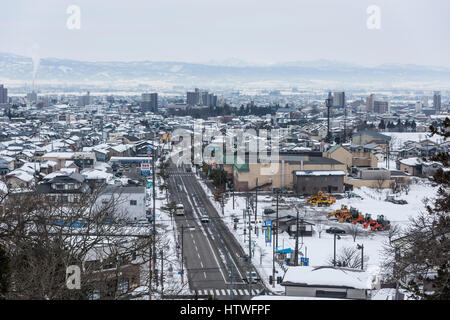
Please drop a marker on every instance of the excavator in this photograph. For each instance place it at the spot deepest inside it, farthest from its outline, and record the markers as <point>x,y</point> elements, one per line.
<point>339,212</point>
<point>345,217</point>
<point>321,199</point>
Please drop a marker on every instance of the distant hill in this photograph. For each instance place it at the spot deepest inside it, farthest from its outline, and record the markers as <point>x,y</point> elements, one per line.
<point>15,67</point>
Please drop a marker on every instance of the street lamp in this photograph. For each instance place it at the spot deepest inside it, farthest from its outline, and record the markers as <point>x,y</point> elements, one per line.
<point>339,238</point>
<point>361,247</point>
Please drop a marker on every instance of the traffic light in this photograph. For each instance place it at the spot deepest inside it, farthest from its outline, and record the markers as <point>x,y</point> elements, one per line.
<point>270,279</point>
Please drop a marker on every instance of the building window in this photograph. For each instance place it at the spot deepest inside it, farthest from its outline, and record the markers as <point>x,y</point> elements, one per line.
<point>122,286</point>
<point>133,202</point>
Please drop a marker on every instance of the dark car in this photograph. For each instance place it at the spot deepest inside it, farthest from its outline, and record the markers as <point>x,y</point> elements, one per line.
<point>335,230</point>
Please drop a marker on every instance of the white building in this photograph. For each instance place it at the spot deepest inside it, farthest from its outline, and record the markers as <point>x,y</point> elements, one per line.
<point>130,201</point>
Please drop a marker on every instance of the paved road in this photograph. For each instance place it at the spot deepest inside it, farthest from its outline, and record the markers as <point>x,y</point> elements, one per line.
<point>212,254</point>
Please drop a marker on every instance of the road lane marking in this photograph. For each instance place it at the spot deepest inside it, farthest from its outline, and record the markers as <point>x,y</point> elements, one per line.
<point>241,292</point>
<point>195,210</point>
<point>217,292</point>
<point>223,292</point>
<point>246,292</point>
<point>211,292</point>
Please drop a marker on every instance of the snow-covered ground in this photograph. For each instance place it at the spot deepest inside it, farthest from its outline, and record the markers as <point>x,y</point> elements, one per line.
<point>399,138</point>
<point>319,250</point>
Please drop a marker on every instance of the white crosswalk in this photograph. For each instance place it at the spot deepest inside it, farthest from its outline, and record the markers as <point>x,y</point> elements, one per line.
<point>225,292</point>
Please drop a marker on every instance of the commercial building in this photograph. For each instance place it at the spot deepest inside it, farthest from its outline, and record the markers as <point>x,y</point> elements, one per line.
<point>3,94</point>
<point>437,101</point>
<point>339,99</point>
<point>149,102</point>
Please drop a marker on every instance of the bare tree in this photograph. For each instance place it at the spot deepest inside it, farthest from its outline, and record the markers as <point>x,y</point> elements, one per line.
<point>42,236</point>
<point>354,230</point>
<point>348,257</point>
<point>319,226</point>
<point>393,232</point>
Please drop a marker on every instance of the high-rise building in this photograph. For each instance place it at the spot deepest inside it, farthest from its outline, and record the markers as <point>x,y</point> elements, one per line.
<point>339,99</point>
<point>3,94</point>
<point>381,106</point>
<point>85,100</point>
<point>370,101</point>
<point>418,107</point>
<point>425,102</point>
<point>437,101</point>
<point>194,98</point>
<point>149,102</point>
<point>32,97</point>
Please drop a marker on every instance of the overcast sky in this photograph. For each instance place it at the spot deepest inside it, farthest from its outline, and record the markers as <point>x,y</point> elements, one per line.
<point>412,31</point>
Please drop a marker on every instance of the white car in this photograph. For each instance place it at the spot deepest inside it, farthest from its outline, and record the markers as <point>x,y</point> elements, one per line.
<point>204,219</point>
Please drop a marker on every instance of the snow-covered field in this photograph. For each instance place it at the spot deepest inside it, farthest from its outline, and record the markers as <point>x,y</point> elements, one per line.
<point>320,249</point>
<point>399,138</point>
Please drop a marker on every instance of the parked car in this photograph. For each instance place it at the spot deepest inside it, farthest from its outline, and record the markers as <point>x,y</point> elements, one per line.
<point>335,230</point>
<point>204,219</point>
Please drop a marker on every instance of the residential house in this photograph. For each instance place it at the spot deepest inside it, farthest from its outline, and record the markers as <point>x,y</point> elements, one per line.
<point>329,282</point>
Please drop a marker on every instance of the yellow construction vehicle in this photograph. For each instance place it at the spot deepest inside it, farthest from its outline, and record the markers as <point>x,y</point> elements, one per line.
<point>321,200</point>
<point>339,212</point>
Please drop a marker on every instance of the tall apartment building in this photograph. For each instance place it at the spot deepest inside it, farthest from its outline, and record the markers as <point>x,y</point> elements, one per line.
<point>381,107</point>
<point>149,102</point>
<point>370,103</point>
<point>437,101</point>
<point>3,94</point>
<point>199,98</point>
<point>339,99</point>
<point>85,100</point>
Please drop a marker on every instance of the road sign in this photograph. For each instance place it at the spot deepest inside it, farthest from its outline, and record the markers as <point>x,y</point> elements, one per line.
<point>145,169</point>
<point>268,223</point>
<point>149,148</point>
<point>304,261</point>
<point>149,184</point>
<point>268,235</point>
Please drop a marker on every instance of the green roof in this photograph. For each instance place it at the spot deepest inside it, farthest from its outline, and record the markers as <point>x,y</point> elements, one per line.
<point>333,148</point>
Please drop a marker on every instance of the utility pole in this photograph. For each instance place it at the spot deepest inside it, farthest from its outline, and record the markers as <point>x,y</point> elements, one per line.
<point>334,256</point>
<point>154,201</point>
<point>296,242</point>
<point>162,274</point>
<point>182,253</point>
<point>256,203</point>
<point>273,261</point>
<point>276,234</point>
<point>345,122</point>
<point>249,236</point>
<point>233,197</point>
<point>361,247</point>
